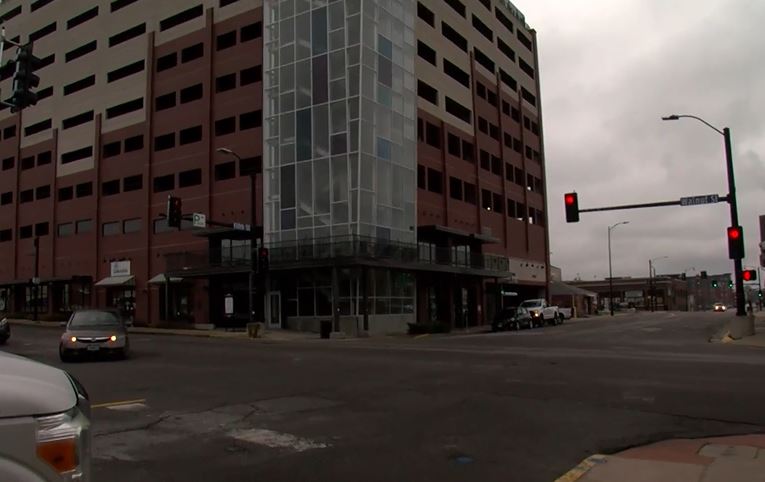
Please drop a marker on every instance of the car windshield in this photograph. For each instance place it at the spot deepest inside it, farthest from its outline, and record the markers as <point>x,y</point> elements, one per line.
<point>85,319</point>
<point>531,303</point>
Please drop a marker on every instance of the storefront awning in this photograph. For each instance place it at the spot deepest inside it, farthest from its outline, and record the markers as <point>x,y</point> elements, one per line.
<point>128,280</point>
<point>161,279</point>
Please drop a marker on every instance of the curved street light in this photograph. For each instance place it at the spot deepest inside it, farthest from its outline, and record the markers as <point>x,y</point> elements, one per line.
<point>610,273</point>
<point>737,262</point>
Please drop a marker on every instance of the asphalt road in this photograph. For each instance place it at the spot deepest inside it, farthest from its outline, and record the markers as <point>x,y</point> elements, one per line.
<point>518,406</point>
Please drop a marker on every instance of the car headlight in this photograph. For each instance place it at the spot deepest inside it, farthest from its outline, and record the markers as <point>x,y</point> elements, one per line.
<point>63,442</point>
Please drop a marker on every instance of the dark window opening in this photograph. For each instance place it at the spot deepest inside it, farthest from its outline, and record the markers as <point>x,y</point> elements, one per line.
<point>458,6</point>
<point>427,92</point>
<point>165,141</point>
<point>10,14</point>
<point>118,4</point>
<point>44,93</point>
<point>80,85</point>
<point>189,178</point>
<point>427,53</point>
<point>251,165</point>
<point>485,160</point>
<point>124,108</point>
<point>524,40</point>
<point>483,28</point>
<point>526,67</point>
<point>8,163</point>
<point>251,75</point>
<point>190,135</point>
<point>192,53</point>
<point>483,125</point>
<point>6,234</point>
<point>9,132</point>
<point>519,176</point>
<point>508,172</point>
<point>469,193</point>
<point>517,145</point>
<point>480,90</point>
<point>134,143</point>
<point>112,228</point>
<point>6,198</point>
<point>250,120</point>
<point>110,188</point>
<point>225,3</point>
<point>496,165</point>
<point>421,182</point>
<point>132,225</point>
<point>493,131</point>
<point>420,130</point>
<point>486,199</point>
<point>456,73</point>
<point>454,37</point>
<point>455,188</point>
<point>77,120</point>
<point>125,71</point>
<point>182,17</point>
<point>225,171</point>
<point>504,20</point>
<point>251,32</point>
<point>192,93</point>
<point>164,183</point>
<point>84,226</point>
<point>487,4</point>
<point>27,163</point>
<point>132,183</point>
<point>42,229</point>
<point>491,97</point>
<point>165,101</point>
<point>44,158</point>
<point>528,97</point>
<point>77,155</point>
<point>26,196</point>
<point>458,110</point>
<point>80,51</point>
<point>225,126</point>
<point>510,208</point>
<point>433,135</point>
<point>225,82</point>
<point>426,14</point>
<point>46,30</point>
<point>498,203</point>
<point>46,61</point>
<point>225,40</point>
<point>65,193</point>
<point>505,108</point>
<point>82,18</point>
<point>484,60</point>
<point>84,189</point>
<point>112,149</point>
<point>26,232</point>
<point>516,115</point>
<point>167,62</point>
<point>508,80</point>
<point>128,34</point>
<point>467,151</point>
<point>435,181</point>
<point>505,49</point>
<point>454,145</point>
<point>38,127</point>
<point>508,140</point>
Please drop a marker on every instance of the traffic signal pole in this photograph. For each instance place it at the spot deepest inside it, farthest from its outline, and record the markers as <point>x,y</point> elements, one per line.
<point>737,262</point>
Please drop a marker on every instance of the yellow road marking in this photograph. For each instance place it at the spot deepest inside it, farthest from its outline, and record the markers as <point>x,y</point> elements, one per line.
<point>117,404</point>
<point>580,470</point>
<point>421,336</point>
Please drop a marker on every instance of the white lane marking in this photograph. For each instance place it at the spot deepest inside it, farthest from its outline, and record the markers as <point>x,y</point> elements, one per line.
<point>272,439</point>
<point>128,407</point>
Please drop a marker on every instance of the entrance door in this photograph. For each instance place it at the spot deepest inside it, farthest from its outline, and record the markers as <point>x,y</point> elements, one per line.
<point>274,310</point>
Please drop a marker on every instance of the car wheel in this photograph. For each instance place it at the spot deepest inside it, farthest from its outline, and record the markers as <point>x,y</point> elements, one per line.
<point>64,355</point>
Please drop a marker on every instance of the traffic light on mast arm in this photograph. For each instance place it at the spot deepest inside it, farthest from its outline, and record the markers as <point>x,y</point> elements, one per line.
<point>174,215</point>
<point>24,79</point>
<point>571,201</point>
<point>749,275</point>
<point>735,242</point>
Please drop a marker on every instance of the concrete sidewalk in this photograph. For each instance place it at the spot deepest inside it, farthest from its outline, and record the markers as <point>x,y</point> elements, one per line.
<point>738,458</point>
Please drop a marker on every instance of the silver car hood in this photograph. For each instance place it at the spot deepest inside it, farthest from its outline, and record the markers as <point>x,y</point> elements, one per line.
<point>31,388</point>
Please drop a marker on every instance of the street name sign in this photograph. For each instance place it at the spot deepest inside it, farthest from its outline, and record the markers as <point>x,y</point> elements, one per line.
<point>199,220</point>
<point>696,200</point>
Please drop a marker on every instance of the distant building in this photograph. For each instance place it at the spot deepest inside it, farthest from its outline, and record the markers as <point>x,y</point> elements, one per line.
<point>667,294</point>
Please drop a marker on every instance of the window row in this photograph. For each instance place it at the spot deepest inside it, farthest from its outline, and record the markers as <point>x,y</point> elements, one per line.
<point>187,54</point>
<point>248,120</point>
<point>247,76</point>
<point>34,230</point>
<point>428,133</point>
<point>247,33</point>
<point>81,190</point>
<point>462,190</point>
<point>486,93</point>
<point>129,184</point>
<point>184,96</point>
<point>115,148</point>
<point>127,226</point>
<point>488,128</point>
<point>37,194</point>
<point>28,162</point>
<point>191,177</point>
<point>459,147</point>
<point>72,228</point>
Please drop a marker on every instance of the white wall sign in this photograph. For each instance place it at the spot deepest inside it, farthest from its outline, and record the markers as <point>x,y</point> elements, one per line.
<point>120,268</point>
<point>228,305</point>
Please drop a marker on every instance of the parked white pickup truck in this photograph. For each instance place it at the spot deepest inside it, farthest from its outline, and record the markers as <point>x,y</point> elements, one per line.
<point>542,313</point>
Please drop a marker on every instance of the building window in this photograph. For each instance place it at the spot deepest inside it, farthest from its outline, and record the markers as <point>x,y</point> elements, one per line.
<point>508,80</point>
<point>80,51</point>
<point>467,151</point>
<point>26,196</point>
<point>46,61</point>
<point>77,155</point>
<point>6,234</point>
<point>225,3</point>
<point>250,120</point>
<point>505,49</point>
<point>251,32</point>
<point>454,37</point>
<point>38,34</point>
<point>128,34</point>
<point>112,228</point>
<point>84,189</point>
<point>77,120</point>
<point>192,53</point>
<point>469,193</point>
<point>503,20</point>
<point>6,198</point>
<point>165,101</point>
<point>251,165</point>
<point>112,149</point>
<point>225,126</point>
<point>165,141</point>
<point>190,135</point>
<point>453,145</point>
<point>65,193</point>
<point>483,28</point>
<point>483,125</point>
<point>124,108</point>
<point>524,40</point>
<point>433,135</point>
<point>519,176</point>
<point>508,172</point>
<point>498,203</point>
<point>42,229</point>
<point>167,62</point>
<point>458,110</point>
<point>491,97</point>
<point>42,192</point>
<point>110,188</point>
<point>9,132</point>
<point>484,60</point>
<point>118,4</point>
<point>82,18</point>
<point>427,92</point>
<point>134,143</point>
<point>27,163</point>
<point>164,183</point>
<point>190,94</point>
<point>486,199</point>
<point>8,163</point>
<point>458,6</point>
<point>435,181</point>
<point>225,40</point>
<point>192,177</point>
<point>180,18</point>
<point>455,188</point>
<point>44,93</point>
<point>421,179</point>
<point>131,225</point>
<point>493,131</point>
<point>84,226</point>
<point>126,71</point>
<point>456,73</point>
<point>225,82</point>
<point>38,127</point>
<point>79,85</point>
<point>427,53</point>
<point>425,14</point>
<point>526,67</point>
<point>496,165</point>
<point>26,232</point>
<point>225,171</point>
<point>132,183</point>
<point>510,208</point>
<point>65,229</point>
<point>505,108</point>
<point>11,14</point>
<point>251,75</point>
<point>44,158</point>
<point>480,90</point>
<point>485,160</point>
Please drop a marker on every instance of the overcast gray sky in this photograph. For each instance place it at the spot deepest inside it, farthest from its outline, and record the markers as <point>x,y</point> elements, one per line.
<point>609,70</point>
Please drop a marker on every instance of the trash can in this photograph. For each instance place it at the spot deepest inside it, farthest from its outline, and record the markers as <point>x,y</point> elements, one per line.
<point>325,328</point>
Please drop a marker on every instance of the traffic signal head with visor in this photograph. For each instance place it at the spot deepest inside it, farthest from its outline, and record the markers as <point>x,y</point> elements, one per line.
<point>749,275</point>
<point>735,242</point>
<point>571,202</point>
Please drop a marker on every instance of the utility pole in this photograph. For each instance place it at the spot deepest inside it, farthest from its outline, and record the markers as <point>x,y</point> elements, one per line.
<point>650,284</point>
<point>36,279</point>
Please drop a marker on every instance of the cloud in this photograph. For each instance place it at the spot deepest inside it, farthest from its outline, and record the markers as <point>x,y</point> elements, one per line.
<point>609,71</point>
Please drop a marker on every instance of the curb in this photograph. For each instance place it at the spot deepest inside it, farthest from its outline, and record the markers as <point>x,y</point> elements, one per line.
<point>581,470</point>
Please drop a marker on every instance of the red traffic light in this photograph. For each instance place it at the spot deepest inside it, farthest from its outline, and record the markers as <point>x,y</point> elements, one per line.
<point>749,275</point>
<point>571,202</point>
<point>735,242</point>
<point>734,233</point>
<point>570,199</point>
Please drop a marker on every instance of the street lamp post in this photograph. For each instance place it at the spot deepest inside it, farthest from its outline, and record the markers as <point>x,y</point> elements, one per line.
<point>651,301</point>
<point>610,273</point>
<point>737,263</point>
<point>253,233</point>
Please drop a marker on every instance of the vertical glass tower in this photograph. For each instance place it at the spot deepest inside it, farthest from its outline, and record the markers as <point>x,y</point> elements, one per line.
<point>339,120</point>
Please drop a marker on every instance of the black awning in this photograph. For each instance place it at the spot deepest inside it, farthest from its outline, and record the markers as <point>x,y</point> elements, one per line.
<point>437,229</point>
